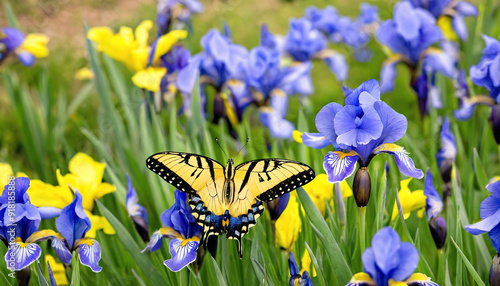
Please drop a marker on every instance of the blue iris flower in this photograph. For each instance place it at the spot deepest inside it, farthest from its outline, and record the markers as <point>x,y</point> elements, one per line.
<point>220,65</point>
<point>490,215</point>
<point>295,278</point>
<point>389,258</point>
<point>19,223</point>
<point>360,130</point>
<point>13,39</point>
<point>485,73</point>
<point>447,154</point>
<point>181,227</point>
<point>272,82</point>
<point>73,225</point>
<point>170,10</point>
<point>457,10</point>
<point>433,202</point>
<point>304,43</point>
<point>410,36</point>
<point>136,211</point>
<point>340,29</point>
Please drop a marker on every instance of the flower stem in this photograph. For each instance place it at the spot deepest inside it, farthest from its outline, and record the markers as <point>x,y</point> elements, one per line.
<point>340,208</point>
<point>361,228</point>
<point>441,266</point>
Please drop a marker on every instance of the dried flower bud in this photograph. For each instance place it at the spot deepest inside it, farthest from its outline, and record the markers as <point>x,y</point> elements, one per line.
<point>495,122</point>
<point>362,187</point>
<point>495,271</point>
<point>438,230</point>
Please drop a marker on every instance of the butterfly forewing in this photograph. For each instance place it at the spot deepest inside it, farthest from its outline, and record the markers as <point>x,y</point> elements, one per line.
<point>189,173</point>
<point>268,179</point>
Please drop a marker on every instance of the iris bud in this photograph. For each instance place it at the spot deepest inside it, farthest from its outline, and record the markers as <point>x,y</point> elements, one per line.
<point>23,276</point>
<point>438,230</point>
<point>277,206</point>
<point>495,271</point>
<point>495,122</point>
<point>141,225</point>
<point>362,187</point>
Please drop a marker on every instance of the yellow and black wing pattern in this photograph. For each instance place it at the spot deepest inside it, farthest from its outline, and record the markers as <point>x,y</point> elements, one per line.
<point>228,205</point>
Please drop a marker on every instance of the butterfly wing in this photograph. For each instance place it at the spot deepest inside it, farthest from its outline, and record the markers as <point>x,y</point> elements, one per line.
<point>267,179</point>
<point>193,174</point>
<point>258,181</point>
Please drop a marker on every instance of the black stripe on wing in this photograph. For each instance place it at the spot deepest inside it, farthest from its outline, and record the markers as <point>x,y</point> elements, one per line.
<point>172,177</point>
<point>277,165</point>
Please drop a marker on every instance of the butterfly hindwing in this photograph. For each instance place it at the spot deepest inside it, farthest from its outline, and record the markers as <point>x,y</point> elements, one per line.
<point>268,179</point>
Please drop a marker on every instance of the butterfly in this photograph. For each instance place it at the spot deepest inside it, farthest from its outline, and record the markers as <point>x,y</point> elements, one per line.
<point>228,199</point>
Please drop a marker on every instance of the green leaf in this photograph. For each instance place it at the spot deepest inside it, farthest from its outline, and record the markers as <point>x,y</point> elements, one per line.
<point>482,177</point>
<point>128,242</point>
<point>342,271</point>
<point>469,266</point>
<point>218,273</point>
<point>75,263</point>
<point>317,267</point>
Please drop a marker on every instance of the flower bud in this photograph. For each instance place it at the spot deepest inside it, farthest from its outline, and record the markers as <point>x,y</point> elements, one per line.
<point>362,187</point>
<point>495,122</point>
<point>437,227</point>
<point>495,271</point>
<point>141,225</point>
<point>277,206</point>
<point>23,276</point>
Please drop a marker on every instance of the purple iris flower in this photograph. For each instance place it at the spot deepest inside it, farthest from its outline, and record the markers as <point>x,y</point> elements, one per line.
<point>13,39</point>
<point>457,10</point>
<point>410,35</point>
<point>355,33</point>
<point>363,128</point>
<point>389,258</point>
<point>447,154</point>
<point>137,212</point>
<point>73,225</point>
<point>272,83</point>
<point>295,277</point>
<point>19,223</point>
<point>433,202</point>
<point>490,215</point>
<point>181,227</point>
<point>180,10</point>
<point>220,65</point>
<point>487,74</point>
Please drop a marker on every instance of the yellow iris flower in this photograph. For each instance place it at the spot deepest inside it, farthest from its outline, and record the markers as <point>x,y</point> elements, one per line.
<point>320,190</point>
<point>85,176</point>
<point>305,262</point>
<point>58,270</point>
<point>6,172</point>
<point>289,225</point>
<point>132,48</point>
<point>36,44</point>
<point>84,74</point>
<point>410,201</point>
<point>445,24</point>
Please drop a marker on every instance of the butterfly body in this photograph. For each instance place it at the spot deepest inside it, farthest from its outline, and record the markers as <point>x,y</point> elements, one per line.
<point>228,199</point>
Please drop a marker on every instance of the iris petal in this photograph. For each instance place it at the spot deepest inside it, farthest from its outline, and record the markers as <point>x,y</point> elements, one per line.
<point>90,254</point>
<point>403,161</point>
<point>434,204</point>
<point>486,225</point>
<point>23,255</point>
<point>339,165</point>
<point>183,252</point>
<point>315,140</point>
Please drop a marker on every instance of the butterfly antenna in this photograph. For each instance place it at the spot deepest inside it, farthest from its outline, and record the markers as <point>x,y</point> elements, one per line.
<point>243,147</point>
<point>217,140</point>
